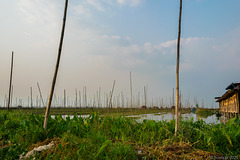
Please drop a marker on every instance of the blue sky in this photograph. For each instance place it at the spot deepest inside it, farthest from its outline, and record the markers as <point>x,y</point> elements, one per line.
<point>106,39</point>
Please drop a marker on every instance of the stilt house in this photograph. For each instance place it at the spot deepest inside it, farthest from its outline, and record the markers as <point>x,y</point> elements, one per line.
<point>229,102</point>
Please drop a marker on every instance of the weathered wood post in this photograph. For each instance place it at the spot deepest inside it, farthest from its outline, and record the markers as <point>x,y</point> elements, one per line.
<point>177,69</point>
<point>10,85</point>
<point>56,68</point>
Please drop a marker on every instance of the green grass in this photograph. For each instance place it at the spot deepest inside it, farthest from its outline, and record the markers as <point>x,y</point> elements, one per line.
<point>205,112</point>
<point>98,137</point>
<point>100,111</point>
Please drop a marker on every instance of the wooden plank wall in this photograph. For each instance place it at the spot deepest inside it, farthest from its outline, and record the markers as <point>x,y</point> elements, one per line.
<point>230,105</point>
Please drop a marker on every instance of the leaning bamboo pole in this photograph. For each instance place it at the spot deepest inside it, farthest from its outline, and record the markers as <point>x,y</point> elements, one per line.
<point>177,68</point>
<point>40,94</point>
<point>10,85</point>
<point>11,96</point>
<point>56,67</point>
<point>110,101</point>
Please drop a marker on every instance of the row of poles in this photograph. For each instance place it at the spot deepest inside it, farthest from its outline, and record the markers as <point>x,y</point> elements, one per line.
<point>58,62</point>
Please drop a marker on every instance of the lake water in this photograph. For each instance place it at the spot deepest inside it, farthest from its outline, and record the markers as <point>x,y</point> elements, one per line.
<point>170,116</point>
<point>161,117</point>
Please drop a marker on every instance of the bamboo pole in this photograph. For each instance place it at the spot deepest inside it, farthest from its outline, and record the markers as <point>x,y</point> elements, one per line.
<point>99,97</point>
<point>31,97</point>
<point>177,69</point>
<point>145,97</point>
<point>40,94</point>
<point>11,96</point>
<point>79,98</point>
<point>56,68</point>
<point>131,88</point>
<point>10,85</point>
<point>173,98</point>
<point>86,101</point>
<point>110,101</point>
<point>76,99</point>
<point>64,98</point>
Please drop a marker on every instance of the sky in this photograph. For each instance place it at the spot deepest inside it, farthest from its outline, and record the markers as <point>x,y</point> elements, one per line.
<point>105,40</point>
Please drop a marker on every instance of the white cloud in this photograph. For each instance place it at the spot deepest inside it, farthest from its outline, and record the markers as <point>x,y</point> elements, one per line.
<point>113,37</point>
<point>97,4</point>
<point>148,48</point>
<point>81,10</point>
<point>129,2</point>
<point>39,11</point>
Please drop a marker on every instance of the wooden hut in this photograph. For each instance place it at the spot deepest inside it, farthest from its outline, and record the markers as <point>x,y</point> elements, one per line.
<point>229,102</point>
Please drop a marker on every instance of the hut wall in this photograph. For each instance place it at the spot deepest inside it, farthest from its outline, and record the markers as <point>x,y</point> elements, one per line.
<point>238,100</point>
<point>230,105</point>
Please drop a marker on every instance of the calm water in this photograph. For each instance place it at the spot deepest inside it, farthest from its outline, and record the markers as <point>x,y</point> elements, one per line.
<point>170,116</point>
<point>161,117</point>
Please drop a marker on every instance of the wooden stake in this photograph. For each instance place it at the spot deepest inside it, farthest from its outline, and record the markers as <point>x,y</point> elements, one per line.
<point>31,97</point>
<point>64,98</point>
<point>56,68</point>
<point>10,85</point>
<point>110,101</point>
<point>79,98</point>
<point>76,99</point>
<point>145,96</point>
<point>11,96</point>
<point>40,94</point>
<point>131,88</point>
<point>177,69</point>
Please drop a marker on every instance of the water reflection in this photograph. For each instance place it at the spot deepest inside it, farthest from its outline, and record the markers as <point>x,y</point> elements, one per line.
<point>162,117</point>
<point>170,116</point>
<point>71,116</point>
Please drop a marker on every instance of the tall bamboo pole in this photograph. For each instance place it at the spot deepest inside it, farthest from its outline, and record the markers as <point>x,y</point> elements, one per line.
<point>110,101</point>
<point>56,68</point>
<point>31,97</point>
<point>11,96</point>
<point>99,97</point>
<point>177,68</point>
<point>131,88</point>
<point>79,94</point>
<point>76,99</point>
<point>145,97</point>
<point>64,98</point>
<point>10,85</point>
<point>173,98</point>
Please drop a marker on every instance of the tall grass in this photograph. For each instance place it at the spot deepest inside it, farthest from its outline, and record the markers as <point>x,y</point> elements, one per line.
<point>98,137</point>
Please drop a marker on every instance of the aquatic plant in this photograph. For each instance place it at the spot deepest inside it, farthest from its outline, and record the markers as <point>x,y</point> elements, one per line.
<point>97,137</point>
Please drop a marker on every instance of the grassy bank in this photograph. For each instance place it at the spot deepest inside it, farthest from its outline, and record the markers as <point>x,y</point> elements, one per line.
<point>98,137</point>
<point>205,112</point>
<point>100,111</point>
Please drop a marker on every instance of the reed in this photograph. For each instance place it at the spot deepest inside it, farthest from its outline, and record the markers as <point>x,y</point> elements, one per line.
<point>98,137</point>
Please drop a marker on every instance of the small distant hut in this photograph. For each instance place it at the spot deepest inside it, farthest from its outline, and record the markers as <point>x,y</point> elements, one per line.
<point>229,102</point>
